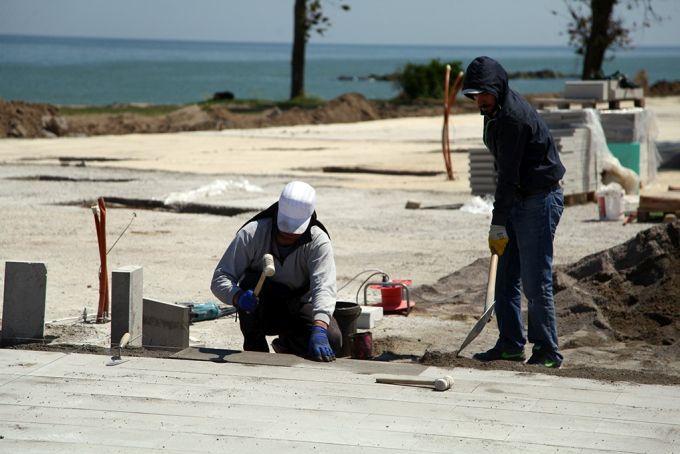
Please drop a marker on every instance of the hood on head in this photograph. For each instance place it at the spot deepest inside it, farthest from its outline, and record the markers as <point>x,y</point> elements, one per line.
<point>486,75</point>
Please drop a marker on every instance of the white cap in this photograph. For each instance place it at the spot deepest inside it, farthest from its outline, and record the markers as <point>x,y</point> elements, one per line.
<point>296,206</point>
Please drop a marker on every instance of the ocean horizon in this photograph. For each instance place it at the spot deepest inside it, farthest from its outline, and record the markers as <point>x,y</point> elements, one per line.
<point>101,71</point>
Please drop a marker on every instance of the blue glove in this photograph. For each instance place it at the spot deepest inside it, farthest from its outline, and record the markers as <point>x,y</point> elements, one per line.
<point>247,301</point>
<point>319,348</point>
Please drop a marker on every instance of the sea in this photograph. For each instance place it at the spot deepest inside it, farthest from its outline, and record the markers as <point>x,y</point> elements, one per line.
<point>92,71</point>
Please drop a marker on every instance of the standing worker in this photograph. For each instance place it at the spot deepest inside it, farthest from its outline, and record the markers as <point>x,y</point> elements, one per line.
<point>298,301</point>
<point>527,208</point>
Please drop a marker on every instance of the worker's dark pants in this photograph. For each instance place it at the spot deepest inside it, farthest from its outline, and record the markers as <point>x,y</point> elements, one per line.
<point>528,260</point>
<point>280,312</point>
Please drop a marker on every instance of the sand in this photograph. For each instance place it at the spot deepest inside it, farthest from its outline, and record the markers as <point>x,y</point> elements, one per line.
<point>45,220</point>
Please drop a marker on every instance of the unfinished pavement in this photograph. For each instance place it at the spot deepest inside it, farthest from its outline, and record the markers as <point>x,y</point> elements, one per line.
<point>73,403</point>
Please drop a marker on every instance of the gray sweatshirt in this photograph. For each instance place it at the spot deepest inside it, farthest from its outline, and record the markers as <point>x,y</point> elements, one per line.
<point>311,262</point>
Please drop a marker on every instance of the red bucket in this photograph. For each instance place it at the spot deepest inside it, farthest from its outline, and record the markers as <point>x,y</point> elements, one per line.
<point>391,296</point>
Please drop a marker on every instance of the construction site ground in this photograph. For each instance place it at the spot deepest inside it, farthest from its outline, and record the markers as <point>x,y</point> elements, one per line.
<point>49,183</point>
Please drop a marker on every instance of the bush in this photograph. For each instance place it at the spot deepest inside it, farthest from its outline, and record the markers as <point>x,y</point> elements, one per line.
<point>425,81</point>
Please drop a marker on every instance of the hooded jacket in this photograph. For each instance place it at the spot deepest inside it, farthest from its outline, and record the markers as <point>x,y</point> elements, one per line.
<point>525,154</point>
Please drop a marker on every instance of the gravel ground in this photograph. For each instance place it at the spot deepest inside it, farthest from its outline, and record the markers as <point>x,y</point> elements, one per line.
<point>369,228</point>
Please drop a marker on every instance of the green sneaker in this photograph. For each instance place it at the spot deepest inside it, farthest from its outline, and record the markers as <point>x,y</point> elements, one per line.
<point>496,354</point>
<point>546,358</point>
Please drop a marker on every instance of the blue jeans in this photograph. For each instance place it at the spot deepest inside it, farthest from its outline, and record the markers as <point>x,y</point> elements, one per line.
<point>527,260</point>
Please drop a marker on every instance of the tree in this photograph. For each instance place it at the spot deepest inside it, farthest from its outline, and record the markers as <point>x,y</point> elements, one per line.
<point>308,17</point>
<point>593,29</point>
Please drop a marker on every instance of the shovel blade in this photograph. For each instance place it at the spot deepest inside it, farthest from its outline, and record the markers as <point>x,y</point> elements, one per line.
<point>479,326</point>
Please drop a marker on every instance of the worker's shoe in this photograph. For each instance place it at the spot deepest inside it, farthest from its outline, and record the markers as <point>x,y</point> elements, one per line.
<point>543,357</point>
<point>496,354</point>
<point>280,346</point>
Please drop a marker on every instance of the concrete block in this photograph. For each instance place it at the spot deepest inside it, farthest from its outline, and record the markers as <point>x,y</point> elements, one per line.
<point>126,304</point>
<point>165,325</point>
<point>23,310</point>
<point>369,316</point>
<point>587,89</point>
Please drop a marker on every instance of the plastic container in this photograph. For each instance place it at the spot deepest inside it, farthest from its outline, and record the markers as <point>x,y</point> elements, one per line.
<point>391,296</point>
<point>610,202</point>
<point>362,345</point>
<point>346,314</point>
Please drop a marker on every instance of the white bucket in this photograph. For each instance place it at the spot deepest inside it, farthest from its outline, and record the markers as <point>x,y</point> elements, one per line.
<point>610,202</point>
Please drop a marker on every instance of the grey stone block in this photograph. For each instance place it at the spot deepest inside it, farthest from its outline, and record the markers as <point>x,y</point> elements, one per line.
<point>126,304</point>
<point>165,325</point>
<point>23,310</point>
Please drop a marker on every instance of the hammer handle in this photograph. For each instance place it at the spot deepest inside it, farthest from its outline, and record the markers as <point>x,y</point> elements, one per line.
<point>407,381</point>
<point>258,287</point>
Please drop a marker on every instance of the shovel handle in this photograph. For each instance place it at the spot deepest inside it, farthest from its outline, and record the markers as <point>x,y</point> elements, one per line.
<point>491,283</point>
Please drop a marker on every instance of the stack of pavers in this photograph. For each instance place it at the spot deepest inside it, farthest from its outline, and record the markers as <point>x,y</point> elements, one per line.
<point>482,172</point>
<point>574,147</point>
<point>628,139</point>
<point>572,138</point>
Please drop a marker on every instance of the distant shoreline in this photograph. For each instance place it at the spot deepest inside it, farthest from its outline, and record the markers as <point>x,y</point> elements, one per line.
<point>314,43</point>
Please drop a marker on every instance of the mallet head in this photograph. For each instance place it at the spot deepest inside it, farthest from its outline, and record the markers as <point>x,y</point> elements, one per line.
<point>444,383</point>
<point>268,265</point>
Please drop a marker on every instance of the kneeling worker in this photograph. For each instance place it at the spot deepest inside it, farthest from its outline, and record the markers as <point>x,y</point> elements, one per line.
<point>298,302</point>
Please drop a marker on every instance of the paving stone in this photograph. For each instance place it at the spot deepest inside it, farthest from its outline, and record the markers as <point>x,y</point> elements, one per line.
<point>23,310</point>
<point>126,304</point>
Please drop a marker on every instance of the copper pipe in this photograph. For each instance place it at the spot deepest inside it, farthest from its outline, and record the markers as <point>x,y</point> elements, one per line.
<point>100,224</point>
<point>449,101</point>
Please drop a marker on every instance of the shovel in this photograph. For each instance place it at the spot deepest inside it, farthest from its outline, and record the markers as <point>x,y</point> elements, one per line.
<point>488,306</point>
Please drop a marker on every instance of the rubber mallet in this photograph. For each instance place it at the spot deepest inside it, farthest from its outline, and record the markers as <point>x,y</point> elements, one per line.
<point>438,384</point>
<point>268,270</point>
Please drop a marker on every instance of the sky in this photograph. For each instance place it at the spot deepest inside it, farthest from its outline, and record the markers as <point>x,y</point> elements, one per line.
<point>426,22</point>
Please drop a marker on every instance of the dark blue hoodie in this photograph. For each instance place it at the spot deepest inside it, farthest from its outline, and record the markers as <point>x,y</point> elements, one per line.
<point>524,150</point>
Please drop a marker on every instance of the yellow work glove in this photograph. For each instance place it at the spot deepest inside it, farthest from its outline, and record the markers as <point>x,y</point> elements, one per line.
<point>498,239</point>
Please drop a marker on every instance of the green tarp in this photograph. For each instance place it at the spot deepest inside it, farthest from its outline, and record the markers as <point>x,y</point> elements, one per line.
<point>628,153</point>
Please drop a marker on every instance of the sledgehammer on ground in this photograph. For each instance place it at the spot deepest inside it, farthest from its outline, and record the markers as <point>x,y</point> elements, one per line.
<point>438,384</point>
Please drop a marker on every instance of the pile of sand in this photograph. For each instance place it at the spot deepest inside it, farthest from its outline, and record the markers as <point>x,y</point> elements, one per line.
<point>630,292</point>
<point>617,309</point>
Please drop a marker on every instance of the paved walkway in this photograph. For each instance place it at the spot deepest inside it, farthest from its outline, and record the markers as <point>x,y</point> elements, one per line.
<point>74,403</point>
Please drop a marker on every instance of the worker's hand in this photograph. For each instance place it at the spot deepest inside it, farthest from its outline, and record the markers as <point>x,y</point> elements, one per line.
<point>498,239</point>
<point>247,301</point>
<point>319,348</point>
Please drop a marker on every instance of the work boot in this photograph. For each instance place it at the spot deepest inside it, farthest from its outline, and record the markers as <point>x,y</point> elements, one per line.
<point>545,357</point>
<point>496,354</point>
<point>280,346</point>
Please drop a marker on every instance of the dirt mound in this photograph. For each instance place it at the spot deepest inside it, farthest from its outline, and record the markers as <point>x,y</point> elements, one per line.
<point>630,292</point>
<point>665,88</point>
<point>617,309</point>
<point>448,359</point>
<point>22,119</point>
<point>456,296</point>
